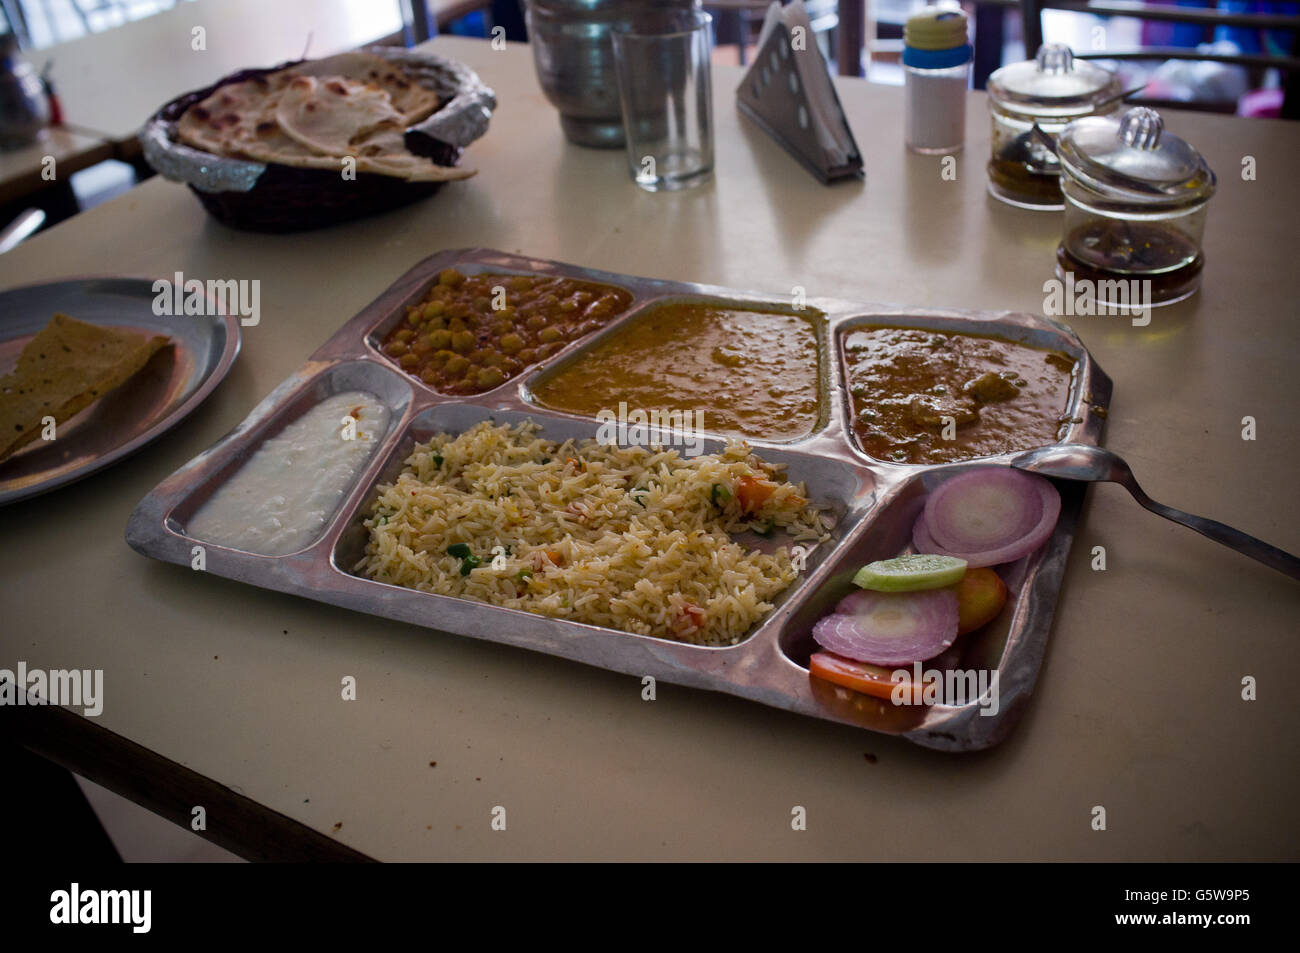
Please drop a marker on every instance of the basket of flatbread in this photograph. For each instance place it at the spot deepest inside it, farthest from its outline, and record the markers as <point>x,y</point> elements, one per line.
<point>316,142</point>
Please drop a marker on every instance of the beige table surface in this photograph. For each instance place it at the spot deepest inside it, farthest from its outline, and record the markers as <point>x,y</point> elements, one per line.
<point>111,82</point>
<point>1138,706</point>
<point>20,169</point>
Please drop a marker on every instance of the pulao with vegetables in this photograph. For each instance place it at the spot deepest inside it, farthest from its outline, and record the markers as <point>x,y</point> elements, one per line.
<point>630,538</point>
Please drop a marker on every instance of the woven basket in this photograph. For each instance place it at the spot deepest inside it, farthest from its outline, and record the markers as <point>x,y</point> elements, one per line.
<point>289,199</point>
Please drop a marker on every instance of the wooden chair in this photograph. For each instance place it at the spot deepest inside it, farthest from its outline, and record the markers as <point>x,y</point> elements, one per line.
<point>745,13</point>
<point>1289,65</point>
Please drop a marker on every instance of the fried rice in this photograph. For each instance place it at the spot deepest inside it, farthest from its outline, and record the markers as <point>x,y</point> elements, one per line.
<point>631,538</point>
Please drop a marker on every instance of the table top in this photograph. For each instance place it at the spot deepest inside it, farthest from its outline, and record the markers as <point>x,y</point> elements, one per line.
<point>111,82</point>
<point>1138,707</point>
<point>21,169</point>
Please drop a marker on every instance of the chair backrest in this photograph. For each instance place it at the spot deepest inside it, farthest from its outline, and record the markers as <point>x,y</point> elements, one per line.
<point>1032,11</point>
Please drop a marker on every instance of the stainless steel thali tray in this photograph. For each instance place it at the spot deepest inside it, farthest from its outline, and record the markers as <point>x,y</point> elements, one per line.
<point>874,504</point>
<point>174,382</point>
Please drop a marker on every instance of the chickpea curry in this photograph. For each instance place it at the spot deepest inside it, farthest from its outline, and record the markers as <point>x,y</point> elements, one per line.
<point>925,397</point>
<point>472,333</point>
<point>751,373</point>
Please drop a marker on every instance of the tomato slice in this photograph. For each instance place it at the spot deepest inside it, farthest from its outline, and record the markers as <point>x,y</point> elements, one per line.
<point>862,677</point>
<point>981,594</point>
<point>753,493</point>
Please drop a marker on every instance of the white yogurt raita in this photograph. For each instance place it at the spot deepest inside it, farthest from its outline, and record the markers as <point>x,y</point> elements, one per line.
<point>279,501</point>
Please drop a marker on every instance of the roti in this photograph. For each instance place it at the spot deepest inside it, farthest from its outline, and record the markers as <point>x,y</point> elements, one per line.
<point>334,116</point>
<point>313,116</point>
<point>63,370</point>
<point>239,120</point>
<point>415,102</point>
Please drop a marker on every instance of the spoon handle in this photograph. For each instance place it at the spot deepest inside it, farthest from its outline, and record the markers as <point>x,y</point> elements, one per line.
<point>1234,538</point>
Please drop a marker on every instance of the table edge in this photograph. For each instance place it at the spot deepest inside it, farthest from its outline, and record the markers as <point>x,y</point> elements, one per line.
<point>167,788</point>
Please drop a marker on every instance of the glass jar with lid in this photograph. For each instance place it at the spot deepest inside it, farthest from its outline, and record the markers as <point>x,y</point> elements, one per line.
<point>1136,198</point>
<point>1052,90</point>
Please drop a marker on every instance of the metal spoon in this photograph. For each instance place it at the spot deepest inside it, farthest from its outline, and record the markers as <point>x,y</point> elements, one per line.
<point>1045,139</point>
<point>1049,143</point>
<point>1074,461</point>
<point>1118,96</point>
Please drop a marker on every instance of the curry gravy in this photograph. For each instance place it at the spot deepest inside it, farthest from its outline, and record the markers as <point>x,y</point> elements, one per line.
<point>1001,396</point>
<point>752,373</point>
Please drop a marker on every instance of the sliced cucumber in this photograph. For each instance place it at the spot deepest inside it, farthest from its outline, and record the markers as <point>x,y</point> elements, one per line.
<point>911,573</point>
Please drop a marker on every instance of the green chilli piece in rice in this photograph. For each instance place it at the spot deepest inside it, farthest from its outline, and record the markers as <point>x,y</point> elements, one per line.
<point>630,538</point>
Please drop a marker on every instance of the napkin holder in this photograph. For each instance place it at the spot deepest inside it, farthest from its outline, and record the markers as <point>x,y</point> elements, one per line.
<point>781,108</point>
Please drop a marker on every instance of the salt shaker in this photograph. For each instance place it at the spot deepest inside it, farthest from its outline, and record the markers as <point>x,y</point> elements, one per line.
<point>936,70</point>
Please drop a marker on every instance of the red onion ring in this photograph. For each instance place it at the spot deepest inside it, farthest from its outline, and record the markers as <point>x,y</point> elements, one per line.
<point>1041,511</point>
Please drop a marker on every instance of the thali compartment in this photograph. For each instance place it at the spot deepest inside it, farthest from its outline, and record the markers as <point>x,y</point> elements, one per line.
<point>393,308</point>
<point>569,361</point>
<point>1082,418</point>
<point>1005,654</point>
<point>885,533</point>
<point>388,313</point>
<point>288,403</point>
<point>846,489</point>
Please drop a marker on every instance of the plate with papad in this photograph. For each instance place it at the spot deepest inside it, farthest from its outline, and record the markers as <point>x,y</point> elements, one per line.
<point>87,362</point>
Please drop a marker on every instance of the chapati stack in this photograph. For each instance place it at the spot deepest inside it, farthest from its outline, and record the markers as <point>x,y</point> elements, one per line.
<point>319,114</point>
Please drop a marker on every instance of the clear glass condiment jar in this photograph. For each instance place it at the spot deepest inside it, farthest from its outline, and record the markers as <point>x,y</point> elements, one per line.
<point>1136,198</point>
<point>1052,90</point>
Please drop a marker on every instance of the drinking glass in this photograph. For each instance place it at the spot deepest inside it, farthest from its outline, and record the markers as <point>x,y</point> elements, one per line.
<point>664,85</point>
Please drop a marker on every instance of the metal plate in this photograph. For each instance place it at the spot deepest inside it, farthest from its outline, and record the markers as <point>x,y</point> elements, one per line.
<point>874,503</point>
<point>167,389</point>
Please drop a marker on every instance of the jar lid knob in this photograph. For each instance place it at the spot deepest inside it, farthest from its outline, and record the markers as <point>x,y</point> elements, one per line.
<point>1141,128</point>
<point>1054,58</point>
